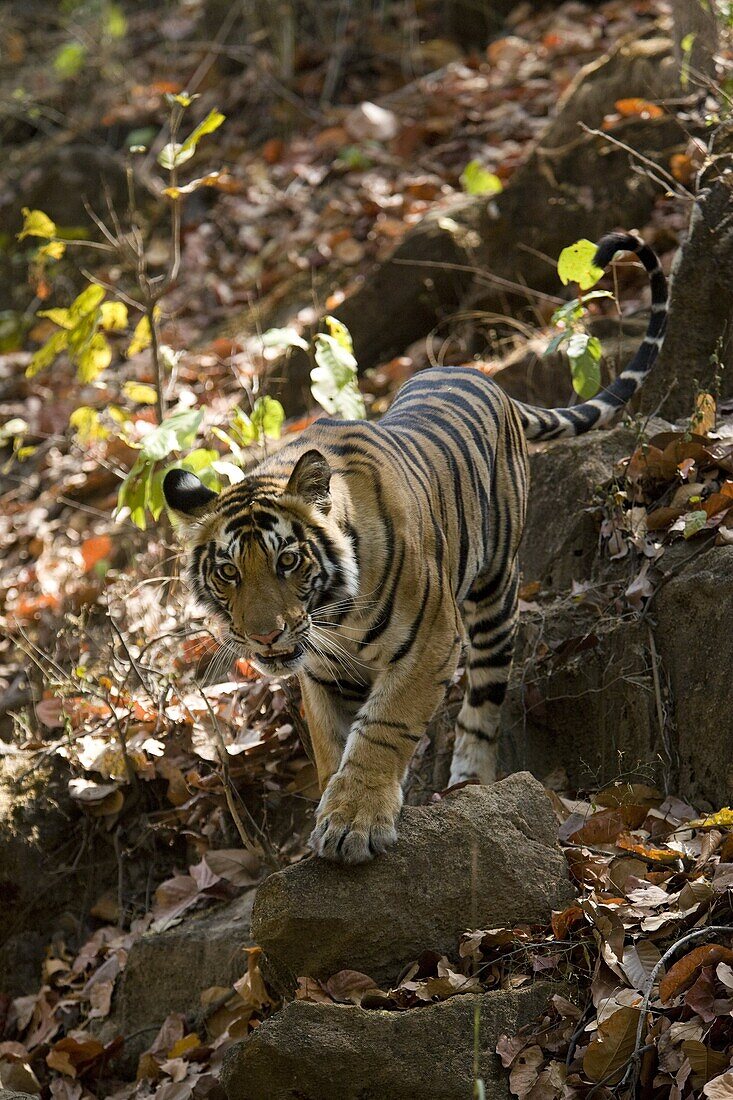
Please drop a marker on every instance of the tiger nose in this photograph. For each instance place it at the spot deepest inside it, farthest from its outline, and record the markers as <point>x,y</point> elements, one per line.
<point>266,639</point>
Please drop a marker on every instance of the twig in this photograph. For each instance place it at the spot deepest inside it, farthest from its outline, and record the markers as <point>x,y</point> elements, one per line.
<point>262,846</point>
<point>709,542</point>
<point>681,191</point>
<point>633,1067</point>
<point>481,277</point>
<point>301,727</point>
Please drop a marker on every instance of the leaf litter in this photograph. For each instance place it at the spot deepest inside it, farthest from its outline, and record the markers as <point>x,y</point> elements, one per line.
<point>92,608</point>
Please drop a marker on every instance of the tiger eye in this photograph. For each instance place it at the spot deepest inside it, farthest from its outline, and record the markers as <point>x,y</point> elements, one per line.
<point>289,559</point>
<point>226,572</point>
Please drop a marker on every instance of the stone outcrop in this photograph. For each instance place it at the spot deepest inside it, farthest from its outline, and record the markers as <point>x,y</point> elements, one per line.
<point>482,857</point>
<point>341,1052</point>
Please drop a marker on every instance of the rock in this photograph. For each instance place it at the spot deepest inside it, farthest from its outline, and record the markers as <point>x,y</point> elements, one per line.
<point>166,971</point>
<point>340,1052</point>
<point>35,838</point>
<point>697,340</point>
<point>10,1094</point>
<point>587,706</point>
<point>590,705</point>
<point>692,636</point>
<point>369,122</point>
<point>560,540</point>
<point>316,918</point>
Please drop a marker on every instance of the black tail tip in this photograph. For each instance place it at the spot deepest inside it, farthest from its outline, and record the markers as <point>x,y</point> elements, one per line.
<point>609,245</point>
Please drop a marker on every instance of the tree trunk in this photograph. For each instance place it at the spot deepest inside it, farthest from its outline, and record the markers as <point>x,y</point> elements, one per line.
<point>695,41</point>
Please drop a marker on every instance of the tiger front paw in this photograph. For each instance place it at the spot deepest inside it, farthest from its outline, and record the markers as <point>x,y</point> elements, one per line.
<point>354,825</point>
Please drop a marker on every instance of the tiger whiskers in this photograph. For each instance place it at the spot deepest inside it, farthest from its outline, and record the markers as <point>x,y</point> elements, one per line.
<point>339,653</point>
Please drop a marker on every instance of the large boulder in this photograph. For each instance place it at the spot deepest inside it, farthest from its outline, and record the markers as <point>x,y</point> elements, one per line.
<point>591,704</point>
<point>341,1052</point>
<point>560,540</point>
<point>166,971</point>
<point>482,857</point>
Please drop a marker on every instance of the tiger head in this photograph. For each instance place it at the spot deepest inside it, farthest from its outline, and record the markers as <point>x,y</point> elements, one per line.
<point>266,556</point>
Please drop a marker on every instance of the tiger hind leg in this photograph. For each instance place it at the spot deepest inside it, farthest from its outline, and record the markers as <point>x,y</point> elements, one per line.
<point>490,615</point>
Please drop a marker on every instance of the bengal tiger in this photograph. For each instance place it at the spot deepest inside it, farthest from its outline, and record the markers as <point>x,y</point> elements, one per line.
<point>362,555</point>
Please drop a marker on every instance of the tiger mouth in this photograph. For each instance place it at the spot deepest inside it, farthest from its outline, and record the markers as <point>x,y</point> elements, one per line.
<point>282,659</point>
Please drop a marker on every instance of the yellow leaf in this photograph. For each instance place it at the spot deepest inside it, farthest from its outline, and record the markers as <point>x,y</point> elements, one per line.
<point>59,317</point>
<point>86,302</point>
<point>723,817</point>
<point>95,358</point>
<point>140,393</point>
<point>45,356</point>
<point>54,250</point>
<point>188,1042</point>
<point>36,224</point>
<point>212,122</point>
<point>87,425</point>
<point>140,338</point>
<point>575,265</point>
<point>114,316</point>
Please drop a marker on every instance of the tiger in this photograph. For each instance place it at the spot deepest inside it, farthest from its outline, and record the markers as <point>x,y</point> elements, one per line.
<point>368,557</point>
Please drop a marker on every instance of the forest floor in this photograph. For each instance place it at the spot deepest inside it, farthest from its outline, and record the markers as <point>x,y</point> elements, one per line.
<point>116,703</point>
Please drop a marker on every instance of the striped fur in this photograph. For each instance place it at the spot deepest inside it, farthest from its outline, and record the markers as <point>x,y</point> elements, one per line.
<point>364,556</point>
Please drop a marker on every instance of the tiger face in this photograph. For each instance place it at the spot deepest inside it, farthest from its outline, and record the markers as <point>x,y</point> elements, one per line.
<point>265,555</point>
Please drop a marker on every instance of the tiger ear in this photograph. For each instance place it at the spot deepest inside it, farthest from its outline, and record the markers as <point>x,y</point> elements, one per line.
<point>186,495</point>
<point>310,480</point>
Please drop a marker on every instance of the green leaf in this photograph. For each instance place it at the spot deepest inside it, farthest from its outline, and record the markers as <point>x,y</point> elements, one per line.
<point>556,341</point>
<point>584,353</point>
<point>477,180</point>
<point>267,417</point>
<point>176,433</point>
<point>227,439</point>
<point>114,316</point>
<point>283,338</point>
<point>212,122</point>
<point>140,393</point>
<point>334,379</point>
<point>115,23</point>
<point>173,156</point>
<point>573,310</point>
<point>36,224</point>
<point>45,356</point>
<point>198,460</point>
<point>69,60</point>
<point>243,428</point>
<point>142,136</point>
<point>87,425</point>
<point>575,265</point>
<point>154,497</point>
<point>133,493</point>
<point>694,523</point>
